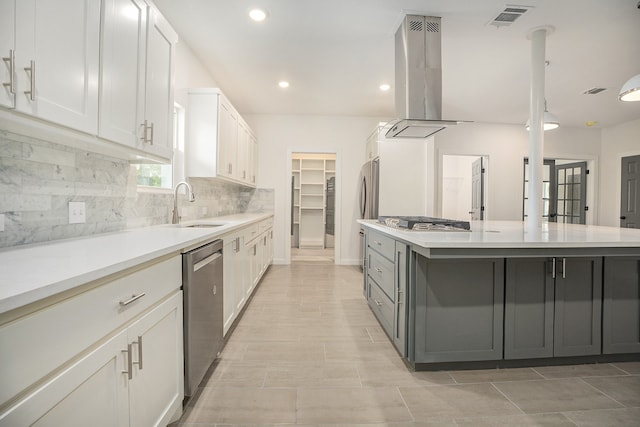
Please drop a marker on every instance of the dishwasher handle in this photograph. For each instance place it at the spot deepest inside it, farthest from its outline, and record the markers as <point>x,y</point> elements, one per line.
<point>208,260</point>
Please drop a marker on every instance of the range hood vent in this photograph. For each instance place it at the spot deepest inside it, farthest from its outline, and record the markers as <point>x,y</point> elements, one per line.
<point>418,62</point>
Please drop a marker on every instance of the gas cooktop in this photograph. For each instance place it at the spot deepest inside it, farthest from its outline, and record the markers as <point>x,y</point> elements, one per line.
<point>425,223</point>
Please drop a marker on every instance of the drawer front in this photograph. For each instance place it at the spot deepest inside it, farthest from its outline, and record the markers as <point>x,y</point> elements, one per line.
<point>251,232</point>
<point>265,225</point>
<point>382,244</point>
<point>381,270</point>
<point>35,345</point>
<point>381,305</point>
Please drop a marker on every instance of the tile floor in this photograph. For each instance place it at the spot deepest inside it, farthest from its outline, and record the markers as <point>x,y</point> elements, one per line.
<point>309,351</point>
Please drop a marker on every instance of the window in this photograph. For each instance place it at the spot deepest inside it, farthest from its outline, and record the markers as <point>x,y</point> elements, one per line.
<point>159,175</point>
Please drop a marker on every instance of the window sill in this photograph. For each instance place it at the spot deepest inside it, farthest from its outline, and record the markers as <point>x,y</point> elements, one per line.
<point>153,190</point>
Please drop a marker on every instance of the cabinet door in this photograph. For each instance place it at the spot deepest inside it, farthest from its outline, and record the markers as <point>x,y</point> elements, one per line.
<point>91,392</point>
<point>159,85</point>
<point>621,305</point>
<point>458,309</point>
<point>578,305</point>
<point>253,160</point>
<point>7,52</point>
<point>122,72</point>
<point>400,284</point>
<point>157,386</point>
<point>241,276</point>
<point>229,285</point>
<point>528,317</point>
<point>227,139</point>
<point>242,155</point>
<point>57,61</point>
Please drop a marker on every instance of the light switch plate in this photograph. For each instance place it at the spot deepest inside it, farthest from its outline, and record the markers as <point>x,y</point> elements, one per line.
<point>77,213</point>
<point>1,222</point>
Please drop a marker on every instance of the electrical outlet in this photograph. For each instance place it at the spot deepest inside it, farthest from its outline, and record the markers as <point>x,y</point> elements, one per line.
<point>77,213</point>
<point>1,222</point>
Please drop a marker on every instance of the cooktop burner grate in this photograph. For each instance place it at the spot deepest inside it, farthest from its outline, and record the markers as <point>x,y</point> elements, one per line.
<point>425,223</point>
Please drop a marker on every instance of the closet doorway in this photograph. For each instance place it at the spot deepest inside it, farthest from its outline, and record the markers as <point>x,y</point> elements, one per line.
<point>313,186</point>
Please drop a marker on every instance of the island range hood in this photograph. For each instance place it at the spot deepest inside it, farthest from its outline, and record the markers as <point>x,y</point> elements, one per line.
<point>418,62</point>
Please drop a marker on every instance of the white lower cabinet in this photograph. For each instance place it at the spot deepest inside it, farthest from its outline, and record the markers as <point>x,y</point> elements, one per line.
<point>91,392</point>
<point>244,266</point>
<point>132,376</point>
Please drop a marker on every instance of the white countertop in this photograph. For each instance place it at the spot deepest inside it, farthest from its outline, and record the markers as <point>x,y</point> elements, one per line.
<point>514,234</point>
<point>33,272</point>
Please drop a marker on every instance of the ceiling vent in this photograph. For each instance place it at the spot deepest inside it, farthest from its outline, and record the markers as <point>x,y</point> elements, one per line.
<point>509,15</point>
<point>594,90</point>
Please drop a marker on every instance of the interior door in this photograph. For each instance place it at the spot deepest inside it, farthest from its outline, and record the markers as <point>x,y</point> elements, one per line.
<point>549,201</point>
<point>571,191</point>
<point>630,176</point>
<point>477,190</point>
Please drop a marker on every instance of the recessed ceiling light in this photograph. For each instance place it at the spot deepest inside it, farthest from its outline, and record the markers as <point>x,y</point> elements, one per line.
<point>283,84</point>
<point>258,15</point>
<point>385,87</point>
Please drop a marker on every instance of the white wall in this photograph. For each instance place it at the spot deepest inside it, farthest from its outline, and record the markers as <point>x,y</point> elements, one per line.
<point>617,142</point>
<point>281,135</point>
<point>506,146</point>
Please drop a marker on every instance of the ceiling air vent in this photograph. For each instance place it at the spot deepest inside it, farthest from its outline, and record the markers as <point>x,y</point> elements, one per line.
<point>594,90</point>
<point>509,15</point>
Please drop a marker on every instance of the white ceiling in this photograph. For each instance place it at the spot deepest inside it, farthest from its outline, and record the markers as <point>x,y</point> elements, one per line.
<point>335,54</point>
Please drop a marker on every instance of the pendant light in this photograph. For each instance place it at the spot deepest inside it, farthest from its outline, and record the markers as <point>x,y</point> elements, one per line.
<point>631,89</point>
<point>550,120</point>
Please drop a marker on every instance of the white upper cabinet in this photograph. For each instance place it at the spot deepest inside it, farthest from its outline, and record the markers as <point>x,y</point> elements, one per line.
<point>57,61</point>
<point>159,85</point>
<point>124,24</point>
<point>7,51</point>
<point>220,143</point>
<point>136,81</point>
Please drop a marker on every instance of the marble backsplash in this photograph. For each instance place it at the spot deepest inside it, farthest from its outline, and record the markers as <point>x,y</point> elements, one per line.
<point>38,179</point>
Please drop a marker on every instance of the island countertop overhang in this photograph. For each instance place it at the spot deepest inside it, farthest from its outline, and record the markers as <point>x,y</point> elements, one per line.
<point>512,239</point>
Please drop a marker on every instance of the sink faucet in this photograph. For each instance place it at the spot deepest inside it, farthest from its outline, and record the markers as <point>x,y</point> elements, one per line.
<point>192,198</point>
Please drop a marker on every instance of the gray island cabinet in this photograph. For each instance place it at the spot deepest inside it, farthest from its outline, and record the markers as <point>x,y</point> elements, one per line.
<point>501,296</point>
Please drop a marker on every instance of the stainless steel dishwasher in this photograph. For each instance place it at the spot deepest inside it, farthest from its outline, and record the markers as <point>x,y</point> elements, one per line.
<point>203,321</point>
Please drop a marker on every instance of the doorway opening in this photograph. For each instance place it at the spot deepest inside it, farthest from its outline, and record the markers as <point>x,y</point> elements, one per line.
<point>313,202</point>
<point>464,187</point>
<point>564,190</point>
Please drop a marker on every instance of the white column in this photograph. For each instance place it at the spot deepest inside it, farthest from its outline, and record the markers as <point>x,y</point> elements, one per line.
<point>536,132</point>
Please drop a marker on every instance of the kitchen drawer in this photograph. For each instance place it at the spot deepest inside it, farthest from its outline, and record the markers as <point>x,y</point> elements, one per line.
<point>265,225</point>
<point>381,305</point>
<point>36,344</point>
<point>382,244</point>
<point>251,232</point>
<point>381,270</point>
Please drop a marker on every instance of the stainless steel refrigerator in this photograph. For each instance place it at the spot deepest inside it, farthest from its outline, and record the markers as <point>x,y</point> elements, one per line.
<point>368,201</point>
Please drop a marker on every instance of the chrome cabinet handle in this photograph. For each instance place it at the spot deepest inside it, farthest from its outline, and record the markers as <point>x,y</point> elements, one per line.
<point>32,81</point>
<point>377,243</point>
<point>378,269</point>
<point>553,268</point>
<point>378,303</point>
<point>230,168</point>
<point>144,132</point>
<point>11,64</point>
<point>132,299</point>
<point>139,362</point>
<point>151,137</point>
<point>129,370</point>
<point>564,268</point>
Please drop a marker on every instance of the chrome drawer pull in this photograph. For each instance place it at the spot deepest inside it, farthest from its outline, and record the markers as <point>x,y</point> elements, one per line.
<point>32,80</point>
<point>11,64</point>
<point>132,299</point>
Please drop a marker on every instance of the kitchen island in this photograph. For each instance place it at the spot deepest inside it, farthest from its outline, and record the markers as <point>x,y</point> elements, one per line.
<point>499,295</point>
